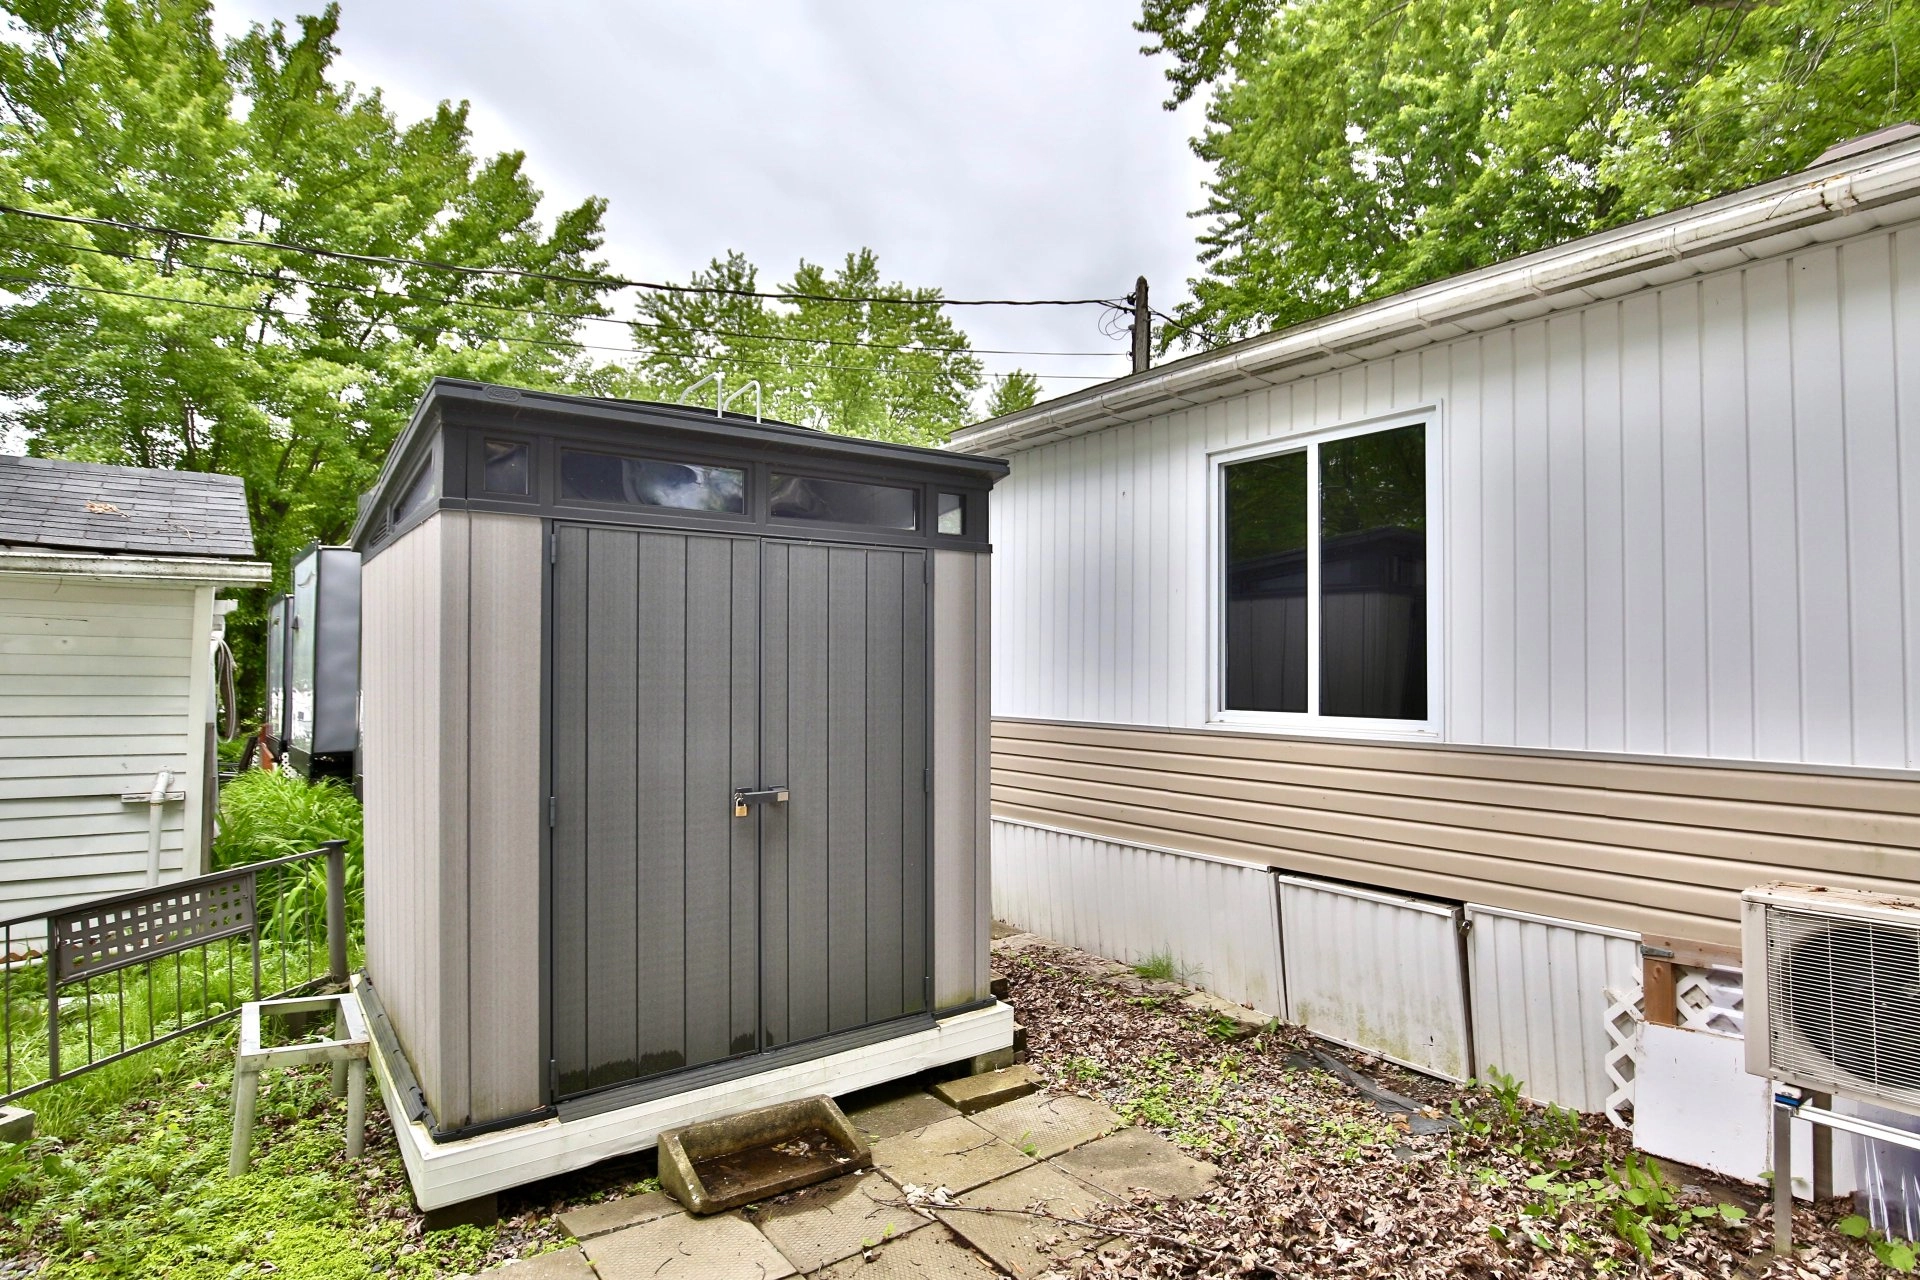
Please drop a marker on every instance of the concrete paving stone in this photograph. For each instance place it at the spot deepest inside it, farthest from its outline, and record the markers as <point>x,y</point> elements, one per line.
<point>956,1154</point>
<point>1018,1242</point>
<point>1138,1160</point>
<point>566,1264</point>
<point>914,1110</point>
<point>611,1215</point>
<point>683,1247</point>
<point>1045,1124</point>
<point>1014,943</point>
<point>934,1254</point>
<point>836,1220</point>
<point>1246,1022</point>
<point>969,1094</point>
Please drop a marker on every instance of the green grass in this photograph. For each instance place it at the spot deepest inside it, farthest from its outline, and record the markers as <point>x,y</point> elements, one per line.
<point>132,1181</point>
<point>1158,966</point>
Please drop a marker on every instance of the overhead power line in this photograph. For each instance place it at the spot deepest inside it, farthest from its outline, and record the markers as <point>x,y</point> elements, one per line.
<point>536,312</point>
<point>476,339</point>
<point>527,273</point>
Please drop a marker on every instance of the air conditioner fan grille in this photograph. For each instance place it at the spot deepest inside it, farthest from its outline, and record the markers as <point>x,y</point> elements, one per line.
<point>1845,994</point>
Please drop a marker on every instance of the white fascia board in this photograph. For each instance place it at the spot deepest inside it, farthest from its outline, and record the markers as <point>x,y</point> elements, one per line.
<point>1752,224</point>
<point>449,1173</point>
<point>182,569</point>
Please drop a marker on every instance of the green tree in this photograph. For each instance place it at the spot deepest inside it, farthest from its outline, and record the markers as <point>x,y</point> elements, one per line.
<point>1013,392</point>
<point>891,366</point>
<point>1361,147</point>
<point>291,371</point>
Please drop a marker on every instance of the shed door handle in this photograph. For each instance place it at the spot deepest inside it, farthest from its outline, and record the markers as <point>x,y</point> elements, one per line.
<point>770,795</point>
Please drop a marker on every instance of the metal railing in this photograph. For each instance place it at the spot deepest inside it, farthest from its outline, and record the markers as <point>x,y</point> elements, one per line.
<point>124,973</point>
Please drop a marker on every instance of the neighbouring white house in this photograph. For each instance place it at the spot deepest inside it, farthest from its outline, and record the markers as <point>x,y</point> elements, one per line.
<point>108,628</point>
<point>1439,672</point>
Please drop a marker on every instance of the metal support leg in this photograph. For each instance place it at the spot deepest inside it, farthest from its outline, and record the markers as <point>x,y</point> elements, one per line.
<point>246,1095</point>
<point>356,1108</point>
<point>1782,1178</point>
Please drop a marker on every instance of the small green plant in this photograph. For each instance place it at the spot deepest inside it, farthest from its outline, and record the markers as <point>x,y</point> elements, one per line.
<point>1158,966</point>
<point>1083,1069</point>
<point>1898,1255</point>
<point>1635,1201</point>
<point>1493,1109</point>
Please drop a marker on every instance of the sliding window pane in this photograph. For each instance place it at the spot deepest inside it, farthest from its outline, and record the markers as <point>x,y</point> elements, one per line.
<point>1373,575</point>
<point>1266,588</point>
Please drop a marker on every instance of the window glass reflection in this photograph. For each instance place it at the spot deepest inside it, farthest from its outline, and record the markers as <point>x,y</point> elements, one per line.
<point>1266,588</point>
<point>1373,575</point>
<point>878,506</point>
<point>952,515</point>
<point>648,482</point>
<point>506,467</point>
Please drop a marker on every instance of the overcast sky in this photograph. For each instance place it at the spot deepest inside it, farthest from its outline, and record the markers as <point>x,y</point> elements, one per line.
<point>993,148</point>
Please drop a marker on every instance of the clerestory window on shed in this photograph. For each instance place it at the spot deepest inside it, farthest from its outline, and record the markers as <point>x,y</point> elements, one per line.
<point>651,482</point>
<point>1326,616</point>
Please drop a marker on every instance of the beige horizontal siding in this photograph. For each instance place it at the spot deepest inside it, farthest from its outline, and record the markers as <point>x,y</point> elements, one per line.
<point>1661,848</point>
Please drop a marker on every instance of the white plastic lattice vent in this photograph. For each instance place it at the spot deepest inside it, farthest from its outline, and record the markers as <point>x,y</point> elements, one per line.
<point>1842,984</point>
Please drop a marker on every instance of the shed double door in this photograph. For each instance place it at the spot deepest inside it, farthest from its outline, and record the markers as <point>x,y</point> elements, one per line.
<point>686,667</point>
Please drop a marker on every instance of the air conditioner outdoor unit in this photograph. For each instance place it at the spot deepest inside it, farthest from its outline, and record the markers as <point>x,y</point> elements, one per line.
<point>1833,991</point>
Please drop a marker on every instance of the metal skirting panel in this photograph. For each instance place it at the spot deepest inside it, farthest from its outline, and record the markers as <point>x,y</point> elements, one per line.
<point>1217,919</point>
<point>1539,990</point>
<point>1377,971</point>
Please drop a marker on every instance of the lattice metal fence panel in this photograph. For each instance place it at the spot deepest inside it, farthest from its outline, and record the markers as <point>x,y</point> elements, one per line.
<point>114,933</point>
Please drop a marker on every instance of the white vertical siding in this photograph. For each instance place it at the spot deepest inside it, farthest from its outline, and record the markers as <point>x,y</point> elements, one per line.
<point>1682,522</point>
<point>1217,919</point>
<point>1539,989</point>
<point>95,682</point>
<point>1377,971</point>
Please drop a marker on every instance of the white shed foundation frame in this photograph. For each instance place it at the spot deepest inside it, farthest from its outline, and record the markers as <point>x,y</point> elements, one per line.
<point>454,1172</point>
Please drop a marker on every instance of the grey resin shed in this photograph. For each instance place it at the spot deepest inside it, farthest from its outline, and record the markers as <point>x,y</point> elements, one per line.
<point>674,742</point>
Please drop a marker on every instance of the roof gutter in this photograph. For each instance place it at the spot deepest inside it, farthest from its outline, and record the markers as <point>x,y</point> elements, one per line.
<point>183,569</point>
<point>1721,224</point>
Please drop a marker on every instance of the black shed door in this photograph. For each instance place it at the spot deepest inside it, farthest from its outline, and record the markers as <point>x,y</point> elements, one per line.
<point>689,666</point>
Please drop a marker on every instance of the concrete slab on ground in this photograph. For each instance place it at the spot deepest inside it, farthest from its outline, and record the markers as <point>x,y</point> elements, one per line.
<point>908,1111</point>
<point>835,1220</point>
<point>933,1254</point>
<point>1045,1124</point>
<point>1018,1242</point>
<point>1014,943</point>
<point>1246,1022</point>
<point>611,1215</point>
<point>566,1264</point>
<point>683,1247</point>
<point>1138,1160</point>
<point>969,1094</point>
<point>956,1154</point>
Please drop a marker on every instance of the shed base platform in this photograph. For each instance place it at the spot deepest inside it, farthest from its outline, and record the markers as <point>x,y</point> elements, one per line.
<point>450,1173</point>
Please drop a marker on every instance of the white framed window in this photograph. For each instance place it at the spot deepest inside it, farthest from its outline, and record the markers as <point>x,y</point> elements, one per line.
<point>1325,590</point>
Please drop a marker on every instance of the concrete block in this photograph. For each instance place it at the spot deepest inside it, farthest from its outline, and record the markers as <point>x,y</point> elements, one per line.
<point>986,1089</point>
<point>1138,1160</point>
<point>612,1215</point>
<point>847,1216</point>
<point>997,984</point>
<point>1045,1124</point>
<point>16,1124</point>
<point>481,1211</point>
<point>998,1060</point>
<point>1018,1241</point>
<point>683,1247</point>
<point>956,1154</point>
<point>934,1254</point>
<point>907,1111</point>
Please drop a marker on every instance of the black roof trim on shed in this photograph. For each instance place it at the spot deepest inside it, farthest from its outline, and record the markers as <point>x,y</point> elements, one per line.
<point>89,506</point>
<point>451,401</point>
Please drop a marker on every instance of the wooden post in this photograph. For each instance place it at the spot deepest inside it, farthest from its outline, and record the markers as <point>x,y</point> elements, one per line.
<point>1658,992</point>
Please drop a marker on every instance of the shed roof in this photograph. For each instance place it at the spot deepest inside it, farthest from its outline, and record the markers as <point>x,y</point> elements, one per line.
<point>50,502</point>
<point>1852,189</point>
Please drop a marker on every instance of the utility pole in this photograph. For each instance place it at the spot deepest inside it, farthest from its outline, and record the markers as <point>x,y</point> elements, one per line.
<point>1142,327</point>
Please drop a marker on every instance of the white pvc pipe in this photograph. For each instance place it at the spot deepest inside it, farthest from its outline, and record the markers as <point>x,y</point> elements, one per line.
<point>156,803</point>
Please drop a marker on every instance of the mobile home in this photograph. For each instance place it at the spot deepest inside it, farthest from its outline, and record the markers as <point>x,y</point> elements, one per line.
<point>1438,672</point>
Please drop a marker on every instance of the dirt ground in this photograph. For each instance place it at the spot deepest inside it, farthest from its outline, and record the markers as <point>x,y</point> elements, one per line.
<point>1316,1178</point>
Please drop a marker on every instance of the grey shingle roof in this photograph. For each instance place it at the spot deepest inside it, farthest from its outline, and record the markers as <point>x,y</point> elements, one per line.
<point>52,503</point>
